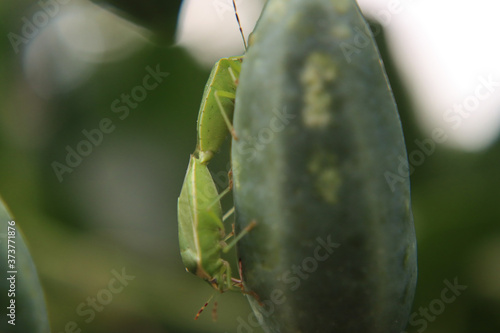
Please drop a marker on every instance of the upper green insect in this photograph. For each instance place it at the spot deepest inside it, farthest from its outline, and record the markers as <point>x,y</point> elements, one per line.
<point>217,107</point>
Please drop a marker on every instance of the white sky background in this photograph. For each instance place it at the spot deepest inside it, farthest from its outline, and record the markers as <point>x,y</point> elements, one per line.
<point>444,49</point>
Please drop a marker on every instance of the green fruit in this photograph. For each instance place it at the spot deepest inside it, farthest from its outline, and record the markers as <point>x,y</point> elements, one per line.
<point>334,249</point>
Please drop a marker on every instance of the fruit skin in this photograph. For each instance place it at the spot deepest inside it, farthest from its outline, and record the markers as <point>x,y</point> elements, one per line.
<point>334,249</point>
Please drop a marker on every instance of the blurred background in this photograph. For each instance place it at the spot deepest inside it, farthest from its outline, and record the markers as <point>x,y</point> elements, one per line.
<point>98,107</point>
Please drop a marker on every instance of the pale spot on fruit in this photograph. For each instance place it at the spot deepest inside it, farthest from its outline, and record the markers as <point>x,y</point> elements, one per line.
<point>325,175</point>
<point>341,31</point>
<point>318,72</point>
<point>342,6</point>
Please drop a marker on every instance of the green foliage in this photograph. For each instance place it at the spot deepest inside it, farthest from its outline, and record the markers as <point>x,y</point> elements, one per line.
<point>22,293</point>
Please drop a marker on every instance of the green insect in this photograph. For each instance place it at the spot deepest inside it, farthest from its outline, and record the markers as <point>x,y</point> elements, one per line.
<point>201,230</point>
<point>217,107</point>
<point>202,237</point>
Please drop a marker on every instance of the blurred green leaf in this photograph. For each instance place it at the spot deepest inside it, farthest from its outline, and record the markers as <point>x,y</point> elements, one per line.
<point>21,293</point>
<point>156,15</point>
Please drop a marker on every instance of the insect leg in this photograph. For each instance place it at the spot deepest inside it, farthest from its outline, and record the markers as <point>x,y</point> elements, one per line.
<point>214,312</point>
<point>228,213</point>
<point>225,273</point>
<point>203,307</point>
<point>239,283</point>
<point>219,197</point>
<point>218,94</point>
<point>232,233</point>
<point>229,187</point>
<point>222,194</point>
<point>237,238</point>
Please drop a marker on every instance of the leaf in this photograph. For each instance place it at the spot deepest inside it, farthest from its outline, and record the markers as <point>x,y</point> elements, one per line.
<point>19,283</point>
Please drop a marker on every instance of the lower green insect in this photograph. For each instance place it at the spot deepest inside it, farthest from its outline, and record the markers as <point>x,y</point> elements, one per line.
<point>202,237</point>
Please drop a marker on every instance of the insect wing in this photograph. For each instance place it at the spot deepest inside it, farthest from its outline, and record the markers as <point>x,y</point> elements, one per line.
<point>196,201</point>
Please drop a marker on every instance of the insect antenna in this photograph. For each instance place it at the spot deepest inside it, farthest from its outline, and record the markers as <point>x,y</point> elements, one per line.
<point>239,25</point>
